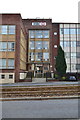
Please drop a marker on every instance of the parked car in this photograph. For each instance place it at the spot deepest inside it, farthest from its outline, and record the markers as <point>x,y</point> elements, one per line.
<point>72,78</point>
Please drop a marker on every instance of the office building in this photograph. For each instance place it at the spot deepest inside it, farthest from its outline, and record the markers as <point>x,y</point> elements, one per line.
<point>32,45</point>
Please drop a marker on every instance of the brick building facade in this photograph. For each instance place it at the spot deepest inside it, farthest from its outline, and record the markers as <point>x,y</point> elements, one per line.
<point>32,44</point>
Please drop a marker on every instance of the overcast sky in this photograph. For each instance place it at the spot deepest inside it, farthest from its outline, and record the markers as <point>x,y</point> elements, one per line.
<point>58,10</point>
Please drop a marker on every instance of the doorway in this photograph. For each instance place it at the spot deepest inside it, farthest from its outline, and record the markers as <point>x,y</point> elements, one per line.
<point>38,71</point>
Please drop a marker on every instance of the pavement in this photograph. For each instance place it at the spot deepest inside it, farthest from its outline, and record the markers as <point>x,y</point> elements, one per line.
<point>41,84</point>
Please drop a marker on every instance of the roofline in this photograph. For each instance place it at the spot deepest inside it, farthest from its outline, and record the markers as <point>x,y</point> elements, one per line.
<point>65,23</point>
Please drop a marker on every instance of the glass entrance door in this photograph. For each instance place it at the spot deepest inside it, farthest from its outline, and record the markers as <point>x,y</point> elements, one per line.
<point>38,71</point>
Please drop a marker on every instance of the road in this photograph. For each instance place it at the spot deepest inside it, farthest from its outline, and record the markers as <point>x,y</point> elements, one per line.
<point>63,108</point>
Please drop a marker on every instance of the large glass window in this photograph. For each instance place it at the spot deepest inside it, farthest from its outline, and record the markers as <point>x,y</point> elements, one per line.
<point>61,31</point>
<point>7,46</point>
<point>67,55</point>
<point>11,63</point>
<point>66,43</point>
<point>31,57</point>
<point>61,44</point>
<point>3,46</point>
<point>73,43</point>
<point>78,66</point>
<point>68,67</point>
<point>72,31</point>
<point>38,44</point>
<point>31,34</point>
<point>78,43</point>
<point>66,31</point>
<point>11,46</point>
<point>46,56</point>
<point>78,31</point>
<point>73,67</point>
<point>45,45</point>
<point>4,29</point>
<point>78,54</point>
<point>38,56</point>
<point>2,63</point>
<point>12,29</point>
<point>31,45</point>
<point>46,34</point>
<point>73,55</point>
<point>38,34</point>
<point>7,29</point>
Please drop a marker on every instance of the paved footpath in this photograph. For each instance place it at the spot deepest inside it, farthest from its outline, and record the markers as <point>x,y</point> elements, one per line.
<point>38,84</point>
<point>67,108</point>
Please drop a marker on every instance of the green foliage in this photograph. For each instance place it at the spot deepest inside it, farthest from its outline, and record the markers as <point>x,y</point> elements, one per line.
<point>60,63</point>
<point>56,76</point>
<point>63,78</point>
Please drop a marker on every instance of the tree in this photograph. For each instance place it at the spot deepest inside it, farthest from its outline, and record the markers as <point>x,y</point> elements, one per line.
<point>60,62</point>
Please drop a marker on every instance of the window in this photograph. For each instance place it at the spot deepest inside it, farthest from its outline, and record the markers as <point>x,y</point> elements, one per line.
<point>46,34</point>
<point>31,45</point>
<point>2,63</point>
<point>73,43</point>
<point>11,63</point>
<point>78,66</point>
<point>10,76</point>
<point>61,44</point>
<point>38,45</point>
<point>45,45</point>
<point>72,31</point>
<point>66,31</point>
<point>31,34</point>
<point>4,29</point>
<point>3,46</point>
<point>66,25</point>
<point>39,42</point>
<point>31,57</point>
<point>61,25</point>
<point>73,66</point>
<point>46,56</point>
<point>2,76</point>
<point>12,29</point>
<point>38,34</point>
<point>45,68</point>
<point>61,31</point>
<point>66,44</point>
<point>78,54</point>
<point>78,43</point>
<point>11,46</point>
<point>68,67</point>
<point>7,29</point>
<point>67,55</point>
<point>73,55</point>
<point>39,56</point>
<point>78,31</point>
<point>72,25</point>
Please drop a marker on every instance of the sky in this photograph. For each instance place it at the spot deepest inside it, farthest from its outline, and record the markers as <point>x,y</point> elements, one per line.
<point>58,10</point>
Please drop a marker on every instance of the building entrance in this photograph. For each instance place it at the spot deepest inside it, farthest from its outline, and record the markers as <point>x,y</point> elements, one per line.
<point>38,71</point>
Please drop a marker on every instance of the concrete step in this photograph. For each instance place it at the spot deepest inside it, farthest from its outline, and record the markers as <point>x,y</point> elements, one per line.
<point>40,91</point>
<point>38,80</point>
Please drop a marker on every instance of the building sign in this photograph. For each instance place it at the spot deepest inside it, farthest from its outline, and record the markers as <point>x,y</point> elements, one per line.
<point>39,23</point>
